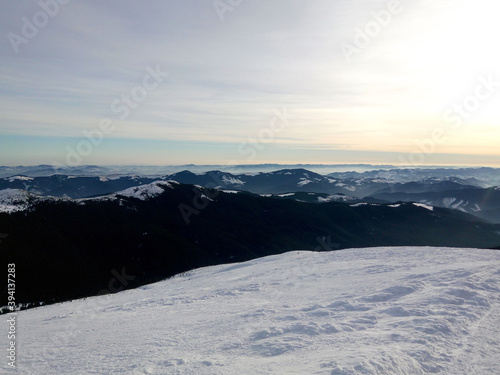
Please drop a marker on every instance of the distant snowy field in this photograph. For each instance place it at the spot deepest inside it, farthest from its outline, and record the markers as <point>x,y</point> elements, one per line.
<point>360,311</point>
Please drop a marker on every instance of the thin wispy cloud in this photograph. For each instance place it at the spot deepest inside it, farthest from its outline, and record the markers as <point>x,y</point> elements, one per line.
<point>226,76</point>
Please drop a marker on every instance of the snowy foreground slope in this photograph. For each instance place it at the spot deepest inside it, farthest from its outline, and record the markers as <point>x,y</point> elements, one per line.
<point>360,311</point>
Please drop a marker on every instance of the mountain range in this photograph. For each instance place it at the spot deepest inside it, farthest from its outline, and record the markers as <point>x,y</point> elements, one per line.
<point>69,248</point>
<point>470,190</point>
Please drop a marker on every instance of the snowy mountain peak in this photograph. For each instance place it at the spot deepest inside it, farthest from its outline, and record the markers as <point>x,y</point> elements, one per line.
<point>230,180</point>
<point>17,200</point>
<point>146,192</point>
<point>423,205</point>
<point>19,178</point>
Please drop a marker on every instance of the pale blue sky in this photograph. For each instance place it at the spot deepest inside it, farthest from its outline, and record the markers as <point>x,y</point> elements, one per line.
<point>232,74</point>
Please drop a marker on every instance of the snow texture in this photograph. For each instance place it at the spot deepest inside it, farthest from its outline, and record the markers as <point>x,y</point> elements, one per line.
<point>145,192</point>
<point>423,205</point>
<point>286,195</point>
<point>358,311</point>
<point>336,198</point>
<point>228,180</point>
<point>304,181</point>
<point>13,200</point>
<point>347,187</point>
<point>19,178</point>
<point>363,204</point>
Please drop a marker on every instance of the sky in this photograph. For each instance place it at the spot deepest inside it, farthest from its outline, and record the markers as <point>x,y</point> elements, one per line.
<point>249,81</point>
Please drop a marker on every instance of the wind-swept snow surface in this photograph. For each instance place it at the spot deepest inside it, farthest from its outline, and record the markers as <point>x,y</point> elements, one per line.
<point>361,311</point>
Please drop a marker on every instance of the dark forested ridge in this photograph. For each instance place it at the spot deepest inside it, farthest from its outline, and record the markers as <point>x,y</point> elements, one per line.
<point>66,249</point>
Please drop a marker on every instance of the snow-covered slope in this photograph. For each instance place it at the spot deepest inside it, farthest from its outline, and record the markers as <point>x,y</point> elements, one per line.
<point>15,200</point>
<point>361,311</point>
<point>145,192</point>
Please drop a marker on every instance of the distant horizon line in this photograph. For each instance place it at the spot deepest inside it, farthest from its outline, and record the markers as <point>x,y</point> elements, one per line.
<point>250,165</point>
